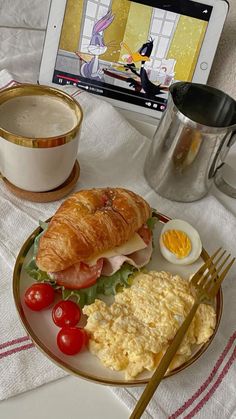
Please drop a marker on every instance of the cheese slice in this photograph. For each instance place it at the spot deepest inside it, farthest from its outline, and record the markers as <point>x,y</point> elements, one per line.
<point>133,245</point>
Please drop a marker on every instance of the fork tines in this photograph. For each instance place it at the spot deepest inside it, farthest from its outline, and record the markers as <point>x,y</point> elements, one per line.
<point>210,276</point>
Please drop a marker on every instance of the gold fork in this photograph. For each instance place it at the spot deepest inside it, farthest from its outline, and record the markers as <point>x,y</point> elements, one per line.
<point>206,283</point>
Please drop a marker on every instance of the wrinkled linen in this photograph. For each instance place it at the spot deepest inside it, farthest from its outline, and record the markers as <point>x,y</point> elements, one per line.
<point>23,24</point>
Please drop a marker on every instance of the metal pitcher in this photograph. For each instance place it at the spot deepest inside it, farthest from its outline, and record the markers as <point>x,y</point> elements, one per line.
<point>191,141</point>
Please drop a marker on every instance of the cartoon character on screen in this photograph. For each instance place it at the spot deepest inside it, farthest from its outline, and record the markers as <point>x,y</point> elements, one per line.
<point>97,47</point>
<point>151,90</point>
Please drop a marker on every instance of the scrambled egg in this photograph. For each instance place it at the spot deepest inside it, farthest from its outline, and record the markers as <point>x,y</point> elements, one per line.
<point>133,333</point>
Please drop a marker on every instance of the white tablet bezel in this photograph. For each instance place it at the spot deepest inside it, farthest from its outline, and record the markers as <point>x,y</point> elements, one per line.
<point>202,70</point>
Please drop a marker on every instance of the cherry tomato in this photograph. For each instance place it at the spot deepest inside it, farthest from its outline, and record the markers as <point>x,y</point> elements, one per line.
<point>79,275</point>
<point>145,233</point>
<point>70,340</point>
<point>39,296</point>
<point>66,313</point>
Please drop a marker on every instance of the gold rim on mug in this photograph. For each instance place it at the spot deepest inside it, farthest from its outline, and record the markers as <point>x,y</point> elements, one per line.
<point>34,89</point>
<point>69,368</point>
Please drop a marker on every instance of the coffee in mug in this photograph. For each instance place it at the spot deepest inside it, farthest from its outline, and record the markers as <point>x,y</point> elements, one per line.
<point>39,136</point>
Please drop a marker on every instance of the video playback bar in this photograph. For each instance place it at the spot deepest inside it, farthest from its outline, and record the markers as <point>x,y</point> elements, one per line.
<point>100,88</point>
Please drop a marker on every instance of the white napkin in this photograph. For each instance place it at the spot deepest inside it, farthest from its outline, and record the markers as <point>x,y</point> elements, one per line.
<point>112,153</point>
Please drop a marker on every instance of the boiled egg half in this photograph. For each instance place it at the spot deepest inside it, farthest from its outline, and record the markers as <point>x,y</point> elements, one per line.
<point>180,242</point>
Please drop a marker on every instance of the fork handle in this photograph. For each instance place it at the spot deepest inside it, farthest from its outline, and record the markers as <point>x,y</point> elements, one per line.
<point>163,366</point>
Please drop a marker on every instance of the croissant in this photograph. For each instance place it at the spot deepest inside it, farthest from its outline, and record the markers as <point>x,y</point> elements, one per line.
<point>90,222</point>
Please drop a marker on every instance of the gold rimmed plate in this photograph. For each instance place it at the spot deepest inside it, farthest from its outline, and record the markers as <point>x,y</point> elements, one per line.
<point>43,331</point>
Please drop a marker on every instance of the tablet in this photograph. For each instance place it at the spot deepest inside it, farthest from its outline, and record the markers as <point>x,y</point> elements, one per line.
<point>131,51</point>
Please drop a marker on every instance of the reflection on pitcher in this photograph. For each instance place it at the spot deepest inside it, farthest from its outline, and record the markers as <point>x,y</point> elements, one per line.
<point>187,148</point>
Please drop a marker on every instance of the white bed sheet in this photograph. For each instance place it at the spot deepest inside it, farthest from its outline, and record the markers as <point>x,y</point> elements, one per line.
<point>22,30</point>
<point>24,13</point>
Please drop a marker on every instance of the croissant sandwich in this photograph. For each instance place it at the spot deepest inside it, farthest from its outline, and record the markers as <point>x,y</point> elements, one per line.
<point>94,235</point>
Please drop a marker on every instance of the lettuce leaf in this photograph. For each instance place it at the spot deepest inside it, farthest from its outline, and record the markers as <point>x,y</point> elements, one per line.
<point>105,285</point>
<point>151,222</point>
<point>44,227</point>
<point>33,271</point>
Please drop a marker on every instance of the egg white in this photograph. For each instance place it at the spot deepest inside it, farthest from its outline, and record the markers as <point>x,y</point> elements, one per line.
<point>193,236</point>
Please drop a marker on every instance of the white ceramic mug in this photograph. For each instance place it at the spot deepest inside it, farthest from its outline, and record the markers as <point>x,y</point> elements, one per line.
<point>39,136</point>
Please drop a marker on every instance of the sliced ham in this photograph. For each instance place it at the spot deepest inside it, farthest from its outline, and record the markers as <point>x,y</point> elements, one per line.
<point>138,259</point>
<point>82,275</point>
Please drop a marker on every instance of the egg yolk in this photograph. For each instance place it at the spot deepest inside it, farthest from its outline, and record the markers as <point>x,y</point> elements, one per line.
<point>177,242</point>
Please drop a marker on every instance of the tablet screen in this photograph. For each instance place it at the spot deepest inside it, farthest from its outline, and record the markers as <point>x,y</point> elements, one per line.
<point>130,50</point>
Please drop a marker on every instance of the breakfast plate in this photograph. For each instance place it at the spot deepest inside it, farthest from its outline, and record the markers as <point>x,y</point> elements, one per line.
<point>43,331</point>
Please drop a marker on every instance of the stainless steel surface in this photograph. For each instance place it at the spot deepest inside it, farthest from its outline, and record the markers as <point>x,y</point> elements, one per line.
<point>191,141</point>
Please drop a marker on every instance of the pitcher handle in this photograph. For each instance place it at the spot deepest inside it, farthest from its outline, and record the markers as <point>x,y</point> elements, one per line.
<point>219,179</point>
<point>221,156</point>
<point>232,139</point>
